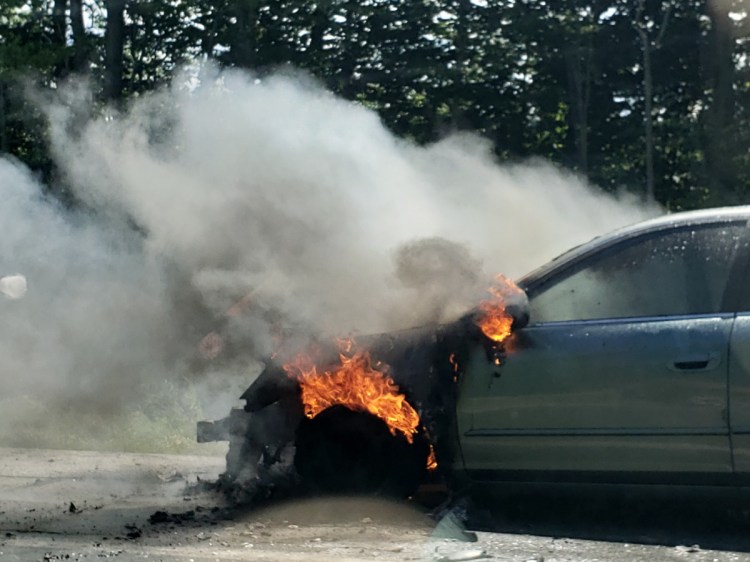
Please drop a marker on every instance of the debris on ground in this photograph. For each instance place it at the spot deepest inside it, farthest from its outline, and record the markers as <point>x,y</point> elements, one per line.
<point>464,555</point>
<point>170,476</point>
<point>166,517</point>
<point>133,532</point>
<point>688,549</point>
<point>451,527</point>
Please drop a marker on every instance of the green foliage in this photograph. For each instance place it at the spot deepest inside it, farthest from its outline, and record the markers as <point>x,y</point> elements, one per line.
<point>562,80</point>
<point>161,35</point>
<point>26,38</point>
<point>27,54</point>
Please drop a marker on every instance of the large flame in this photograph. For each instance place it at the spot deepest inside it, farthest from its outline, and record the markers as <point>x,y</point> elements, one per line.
<point>493,318</point>
<point>356,384</point>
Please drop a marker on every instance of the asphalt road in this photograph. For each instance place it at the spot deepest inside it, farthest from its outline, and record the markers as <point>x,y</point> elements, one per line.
<point>73,505</point>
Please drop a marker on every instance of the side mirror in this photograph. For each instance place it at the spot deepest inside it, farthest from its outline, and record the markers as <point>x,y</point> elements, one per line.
<point>506,299</point>
<point>519,310</point>
<point>513,299</point>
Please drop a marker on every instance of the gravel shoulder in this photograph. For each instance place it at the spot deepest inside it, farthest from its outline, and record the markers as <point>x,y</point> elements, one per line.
<point>80,505</point>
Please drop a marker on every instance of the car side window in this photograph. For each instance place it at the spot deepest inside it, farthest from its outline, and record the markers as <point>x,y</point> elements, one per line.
<point>677,272</point>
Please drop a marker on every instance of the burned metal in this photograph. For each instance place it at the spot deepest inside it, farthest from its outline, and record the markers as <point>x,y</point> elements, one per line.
<point>346,450</point>
<point>329,430</point>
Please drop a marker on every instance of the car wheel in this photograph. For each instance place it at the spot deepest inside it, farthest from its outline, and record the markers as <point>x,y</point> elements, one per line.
<point>342,451</point>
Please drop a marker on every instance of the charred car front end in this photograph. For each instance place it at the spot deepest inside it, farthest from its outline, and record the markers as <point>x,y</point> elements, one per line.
<point>345,450</point>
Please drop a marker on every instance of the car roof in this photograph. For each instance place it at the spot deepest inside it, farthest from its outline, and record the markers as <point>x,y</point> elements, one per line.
<point>702,216</point>
<point>677,220</point>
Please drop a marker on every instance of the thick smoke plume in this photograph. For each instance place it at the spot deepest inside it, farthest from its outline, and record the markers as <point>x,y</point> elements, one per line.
<point>226,188</point>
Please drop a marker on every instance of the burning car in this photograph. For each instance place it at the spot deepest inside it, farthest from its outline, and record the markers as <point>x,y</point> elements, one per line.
<point>628,364</point>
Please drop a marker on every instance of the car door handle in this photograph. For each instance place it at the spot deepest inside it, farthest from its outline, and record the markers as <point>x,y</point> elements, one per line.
<point>697,362</point>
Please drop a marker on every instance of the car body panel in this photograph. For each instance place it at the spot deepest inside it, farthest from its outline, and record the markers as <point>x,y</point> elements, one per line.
<point>602,396</point>
<point>615,400</point>
<point>739,397</point>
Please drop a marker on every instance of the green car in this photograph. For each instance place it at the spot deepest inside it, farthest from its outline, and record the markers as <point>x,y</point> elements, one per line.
<point>629,364</point>
<point>633,369</point>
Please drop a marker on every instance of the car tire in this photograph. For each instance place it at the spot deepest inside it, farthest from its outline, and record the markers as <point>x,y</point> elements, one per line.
<point>342,451</point>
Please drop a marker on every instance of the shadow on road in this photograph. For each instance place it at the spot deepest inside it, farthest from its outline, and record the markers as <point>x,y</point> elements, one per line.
<point>705,523</point>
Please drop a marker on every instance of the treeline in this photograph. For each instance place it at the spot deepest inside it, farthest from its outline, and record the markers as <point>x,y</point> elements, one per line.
<point>647,95</point>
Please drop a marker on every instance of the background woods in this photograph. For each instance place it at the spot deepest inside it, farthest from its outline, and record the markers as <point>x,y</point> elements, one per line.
<point>649,95</point>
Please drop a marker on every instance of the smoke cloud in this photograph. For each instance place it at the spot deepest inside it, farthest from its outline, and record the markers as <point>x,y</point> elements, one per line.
<point>274,193</point>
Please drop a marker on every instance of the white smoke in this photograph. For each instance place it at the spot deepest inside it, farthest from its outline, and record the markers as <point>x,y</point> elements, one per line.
<point>13,286</point>
<point>279,187</point>
<point>95,301</point>
<point>271,189</point>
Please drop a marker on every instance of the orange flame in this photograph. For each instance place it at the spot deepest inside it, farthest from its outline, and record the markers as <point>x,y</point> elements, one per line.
<point>356,384</point>
<point>494,321</point>
<point>432,463</point>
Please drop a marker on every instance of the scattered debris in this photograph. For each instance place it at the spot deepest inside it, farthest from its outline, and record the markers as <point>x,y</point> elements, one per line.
<point>452,527</point>
<point>170,476</point>
<point>110,554</point>
<point>474,554</point>
<point>133,532</point>
<point>465,512</point>
<point>166,517</point>
<point>688,549</point>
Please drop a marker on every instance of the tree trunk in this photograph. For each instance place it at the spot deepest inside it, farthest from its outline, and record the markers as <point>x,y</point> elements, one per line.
<point>244,38</point>
<point>114,45</point>
<point>80,43</point>
<point>461,43</point>
<point>648,117</point>
<point>720,146</point>
<point>58,22</point>
<point>648,46</point>
<point>579,64</point>
<point>3,120</point>
<point>59,36</point>
<point>320,23</point>
<point>208,38</point>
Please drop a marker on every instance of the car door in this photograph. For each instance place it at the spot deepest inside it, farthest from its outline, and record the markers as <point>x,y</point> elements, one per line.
<point>739,382</point>
<point>621,375</point>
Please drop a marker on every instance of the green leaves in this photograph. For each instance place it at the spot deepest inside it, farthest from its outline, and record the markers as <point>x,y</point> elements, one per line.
<point>563,80</point>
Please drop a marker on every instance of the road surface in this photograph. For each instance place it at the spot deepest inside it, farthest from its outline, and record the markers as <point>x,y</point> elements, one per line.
<point>74,505</point>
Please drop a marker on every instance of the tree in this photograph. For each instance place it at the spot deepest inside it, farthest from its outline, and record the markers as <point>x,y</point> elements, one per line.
<point>28,53</point>
<point>651,36</point>
<point>720,131</point>
<point>80,39</point>
<point>114,49</point>
<point>622,91</point>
